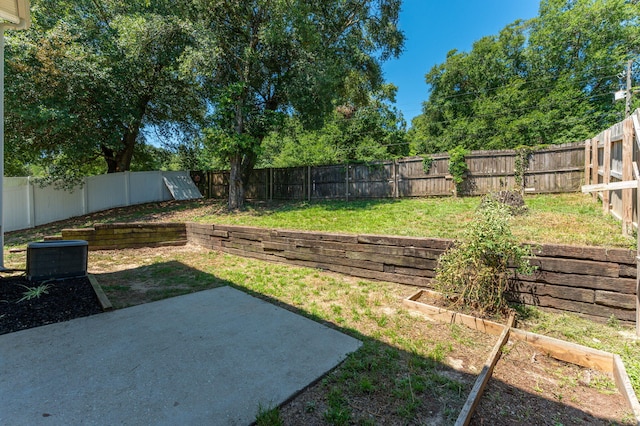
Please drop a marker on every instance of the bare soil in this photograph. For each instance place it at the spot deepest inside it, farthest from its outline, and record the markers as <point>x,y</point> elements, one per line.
<point>529,387</point>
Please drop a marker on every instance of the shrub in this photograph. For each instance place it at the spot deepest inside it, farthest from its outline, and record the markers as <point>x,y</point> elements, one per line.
<point>478,270</point>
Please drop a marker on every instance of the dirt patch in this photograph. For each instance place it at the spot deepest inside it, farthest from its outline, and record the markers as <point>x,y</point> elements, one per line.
<point>528,387</point>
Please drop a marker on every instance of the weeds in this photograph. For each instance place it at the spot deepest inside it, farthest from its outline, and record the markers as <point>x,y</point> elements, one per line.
<point>268,416</point>
<point>34,292</point>
<point>476,271</point>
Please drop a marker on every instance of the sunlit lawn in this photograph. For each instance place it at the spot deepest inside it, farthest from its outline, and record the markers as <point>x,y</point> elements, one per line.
<point>559,218</point>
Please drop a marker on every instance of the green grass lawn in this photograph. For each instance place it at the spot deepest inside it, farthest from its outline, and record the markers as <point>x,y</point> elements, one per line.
<point>573,218</point>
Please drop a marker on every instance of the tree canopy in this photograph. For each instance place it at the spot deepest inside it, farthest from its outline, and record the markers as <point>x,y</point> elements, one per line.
<point>372,131</point>
<point>263,60</point>
<point>544,81</point>
<point>89,76</point>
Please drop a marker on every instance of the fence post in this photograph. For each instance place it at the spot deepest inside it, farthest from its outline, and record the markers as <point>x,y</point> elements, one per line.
<point>587,162</point>
<point>127,189</point>
<point>31,205</point>
<point>346,183</point>
<point>638,254</point>
<point>85,195</point>
<point>627,175</point>
<point>594,164</point>
<point>309,183</point>
<point>606,178</point>
<point>270,183</point>
<point>395,166</point>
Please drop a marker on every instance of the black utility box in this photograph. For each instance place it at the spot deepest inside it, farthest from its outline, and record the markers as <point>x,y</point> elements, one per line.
<point>57,259</point>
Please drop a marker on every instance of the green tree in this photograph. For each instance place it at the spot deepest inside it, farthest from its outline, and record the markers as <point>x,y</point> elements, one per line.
<point>89,76</point>
<point>542,81</point>
<point>369,132</point>
<point>261,60</point>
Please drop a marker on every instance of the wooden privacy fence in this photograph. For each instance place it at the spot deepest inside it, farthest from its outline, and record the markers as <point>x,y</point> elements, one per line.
<point>608,169</point>
<point>613,174</point>
<point>555,169</point>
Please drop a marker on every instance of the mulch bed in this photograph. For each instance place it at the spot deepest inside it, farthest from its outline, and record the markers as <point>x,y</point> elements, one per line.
<point>65,299</point>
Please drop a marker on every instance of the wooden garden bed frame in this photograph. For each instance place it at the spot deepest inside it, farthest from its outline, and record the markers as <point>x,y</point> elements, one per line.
<point>559,349</point>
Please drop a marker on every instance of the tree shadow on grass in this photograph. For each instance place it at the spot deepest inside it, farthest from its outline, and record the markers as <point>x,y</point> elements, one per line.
<point>378,383</point>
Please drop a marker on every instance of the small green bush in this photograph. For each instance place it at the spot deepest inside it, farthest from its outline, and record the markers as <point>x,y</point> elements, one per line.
<point>478,270</point>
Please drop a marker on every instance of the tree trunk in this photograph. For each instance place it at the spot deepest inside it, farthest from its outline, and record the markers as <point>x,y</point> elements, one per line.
<point>120,160</point>
<point>236,185</point>
<point>124,156</point>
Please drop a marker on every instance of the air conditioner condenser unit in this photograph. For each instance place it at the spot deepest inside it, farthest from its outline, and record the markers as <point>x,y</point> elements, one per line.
<point>57,259</point>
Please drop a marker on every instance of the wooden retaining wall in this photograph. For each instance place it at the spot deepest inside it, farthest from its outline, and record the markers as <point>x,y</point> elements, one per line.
<point>595,282</point>
<point>129,235</point>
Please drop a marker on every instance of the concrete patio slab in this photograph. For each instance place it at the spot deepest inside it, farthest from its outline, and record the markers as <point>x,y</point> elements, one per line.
<point>210,357</point>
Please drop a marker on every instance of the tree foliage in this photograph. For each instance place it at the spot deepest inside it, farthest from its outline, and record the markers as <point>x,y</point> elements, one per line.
<point>373,131</point>
<point>262,60</point>
<point>89,76</point>
<point>543,81</point>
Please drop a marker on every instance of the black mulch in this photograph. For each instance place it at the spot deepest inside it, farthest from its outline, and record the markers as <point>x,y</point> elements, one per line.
<point>65,299</point>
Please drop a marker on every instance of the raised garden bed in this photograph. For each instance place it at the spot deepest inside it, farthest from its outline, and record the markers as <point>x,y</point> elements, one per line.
<point>594,382</point>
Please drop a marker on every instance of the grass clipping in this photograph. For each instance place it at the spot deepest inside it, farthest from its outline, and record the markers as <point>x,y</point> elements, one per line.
<point>479,270</point>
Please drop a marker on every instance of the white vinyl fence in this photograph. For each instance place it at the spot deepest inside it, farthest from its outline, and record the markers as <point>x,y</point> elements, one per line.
<point>27,205</point>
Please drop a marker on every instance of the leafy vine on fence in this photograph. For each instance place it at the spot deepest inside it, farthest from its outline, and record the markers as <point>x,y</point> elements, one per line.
<point>427,162</point>
<point>458,166</point>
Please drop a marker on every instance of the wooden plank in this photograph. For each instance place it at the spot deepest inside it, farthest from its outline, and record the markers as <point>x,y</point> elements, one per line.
<point>631,184</point>
<point>624,386</point>
<point>586,253</point>
<point>566,351</point>
<point>424,253</point>
<point>581,267</point>
<point>413,262</point>
<point>102,297</point>
<point>615,300</point>
<point>483,378</point>
<point>311,235</point>
<point>577,307</point>
<point>434,243</point>
<point>536,289</point>
<point>627,175</point>
<point>447,316</point>
<point>620,285</point>
<point>587,162</point>
<point>594,164</point>
<point>606,203</point>
<point>379,276</point>
<point>367,248</point>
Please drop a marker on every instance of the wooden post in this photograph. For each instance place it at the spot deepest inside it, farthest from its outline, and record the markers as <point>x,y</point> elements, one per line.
<point>395,178</point>
<point>346,181</point>
<point>309,184</point>
<point>594,164</point>
<point>587,162</point>
<point>638,255</point>
<point>270,183</point>
<point>627,174</point>
<point>606,195</point>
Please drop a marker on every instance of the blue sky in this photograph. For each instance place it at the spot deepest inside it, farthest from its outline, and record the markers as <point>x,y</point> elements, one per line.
<point>434,27</point>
